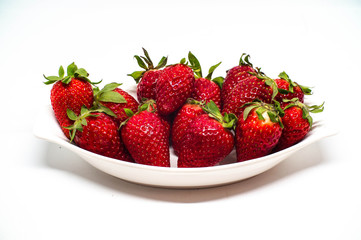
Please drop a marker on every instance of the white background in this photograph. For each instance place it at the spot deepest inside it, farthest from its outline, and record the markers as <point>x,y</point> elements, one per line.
<point>47,192</point>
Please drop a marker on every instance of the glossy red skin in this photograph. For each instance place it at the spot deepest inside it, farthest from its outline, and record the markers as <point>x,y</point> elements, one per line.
<point>174,87</point>
<point>71,96</point>
<point>205,143</point>
<point>146,139</point>
<point>247,90</point>
<point>295,128</point>
<point>233,77</point>
<point>255,138</point>
<point>101,136</point>
<point>206,90</point>
<point>146,88</point>
<point>297,92</point>
<point>118,108</point>
<point>181,122</point>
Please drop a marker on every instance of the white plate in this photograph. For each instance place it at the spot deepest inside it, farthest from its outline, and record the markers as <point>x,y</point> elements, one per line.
<point>229,171</point>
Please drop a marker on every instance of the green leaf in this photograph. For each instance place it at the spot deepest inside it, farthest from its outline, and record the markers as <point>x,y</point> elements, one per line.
<point>61,72</point>
<point>141,62</point>
<point>52,79</point>
<point>83,110</point>
<point>84,122</point>
<point>284,76</point>
<point>211,70</point>
<point>195,65</point>
<point>66,80</point>
<point>71,114</point>
<point>137,75</point>
<point>183,61</point>
<point>162,62</point>
<point>149,61</point>
<point>247,110</point>
<point>71,69</point>
<point>107,110</point>
<point>219,81</point>
<point>112,96</point>
<point>110,87</point>
<point>81,72</point>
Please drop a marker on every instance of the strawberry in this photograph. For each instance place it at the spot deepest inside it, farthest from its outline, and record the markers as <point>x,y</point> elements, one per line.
<point>257,86</point>
<point>297,122</point>
<point>97,132</point>
<point>112,100</point>
<point>258,130</point>
<point>289,89</point>
<point>236,74</point>
<point>147,79</point>
<point>70,92</point>
<point>183,118</point>
<point>208,139</point>
<point>206,88</point>
<point>146,138</point>
<point>174,87</point>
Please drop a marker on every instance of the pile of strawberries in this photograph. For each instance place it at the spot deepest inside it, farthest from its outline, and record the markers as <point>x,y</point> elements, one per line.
<point>202,118</point>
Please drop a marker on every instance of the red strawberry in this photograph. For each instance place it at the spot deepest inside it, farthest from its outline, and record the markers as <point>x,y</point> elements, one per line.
<point>208,139</point>
<point>206,88</point>
<point>235,75</point>
<point>289,89</point>
<point>112,100</point>
<point>147,79</point>
<point>254,87</point>
<point>174,87</point>
<point>70,92</point>
<point>297,122</point>
<point>181,121</point>
<point>257,131</point>
<point>146,138</point>
<point>97,132</point>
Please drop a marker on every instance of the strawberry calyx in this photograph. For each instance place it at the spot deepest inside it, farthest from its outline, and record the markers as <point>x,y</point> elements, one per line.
<point>106,94</point>
<point>273,111</point>
<point>306,109</point>
<point>283,75</point>
<point>72,72</point>
<point>244,60</point>
<point>80,121</point>
<point>228,120</point>
<point>148,105</point>
<point>196,67</point>
<point>146,63</point>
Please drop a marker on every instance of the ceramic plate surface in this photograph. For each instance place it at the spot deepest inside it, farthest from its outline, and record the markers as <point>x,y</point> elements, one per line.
<point>228,171</point>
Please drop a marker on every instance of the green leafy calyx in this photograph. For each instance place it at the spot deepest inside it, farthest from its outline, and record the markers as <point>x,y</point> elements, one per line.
<point>227,120</point>
<point>72,72</point>
<point>146,63</point>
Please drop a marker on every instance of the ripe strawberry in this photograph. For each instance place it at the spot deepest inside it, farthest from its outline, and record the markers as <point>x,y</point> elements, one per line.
<point>206,88</point>
<point>208,139</point>
<point>146,138</point>
<point>297,122</point>
<point>174,87</point>
<point>70,92</point>
<point>258,130</point>
<point>235,75</point>
<point>97,132</point>
<point>289,89</point>
<point>112,100</point>
<point>147,79</point>
<point>257,86</point>
<point>183,118</point>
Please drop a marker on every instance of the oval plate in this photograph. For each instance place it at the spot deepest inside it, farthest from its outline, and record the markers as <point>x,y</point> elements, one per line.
<point>228,171</point>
